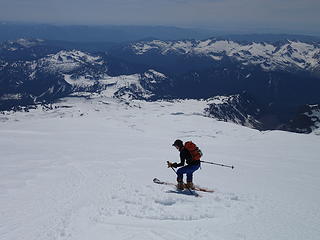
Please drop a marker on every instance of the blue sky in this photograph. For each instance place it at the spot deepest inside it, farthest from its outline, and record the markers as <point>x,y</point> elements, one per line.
<point>243,15</point>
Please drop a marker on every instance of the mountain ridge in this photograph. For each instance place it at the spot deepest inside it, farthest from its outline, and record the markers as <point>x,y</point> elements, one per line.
<point>41,72</point>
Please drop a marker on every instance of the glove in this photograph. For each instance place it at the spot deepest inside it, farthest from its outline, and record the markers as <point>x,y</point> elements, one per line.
<point>170,164</point>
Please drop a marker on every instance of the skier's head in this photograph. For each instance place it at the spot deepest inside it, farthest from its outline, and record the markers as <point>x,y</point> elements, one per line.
<point>178,143</point>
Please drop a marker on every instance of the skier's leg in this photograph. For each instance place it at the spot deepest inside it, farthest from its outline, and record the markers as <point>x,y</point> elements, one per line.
<point>190,170</point>
<point>180,173</point>
<point>189,177</point>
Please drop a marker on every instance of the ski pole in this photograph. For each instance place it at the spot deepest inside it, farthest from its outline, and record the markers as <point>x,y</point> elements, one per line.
<point>218,164</point>
<point>174,170</point>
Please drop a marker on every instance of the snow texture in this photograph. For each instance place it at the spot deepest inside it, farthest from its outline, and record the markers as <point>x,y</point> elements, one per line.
<point>83,168</point>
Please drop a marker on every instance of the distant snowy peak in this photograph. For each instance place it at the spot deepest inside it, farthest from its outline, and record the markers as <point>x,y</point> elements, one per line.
<point>20,44</point>
<point>44,79</point>
<point>135,86</point>
<point>61,62</point>
<point>289,54</point>
<point>145,86</point>
<point>154,75</point>
<point>239,109</point>
<point>152,79</point>
<point>306,121</point>
<point>66,61</point>
<point>314,115</point>
<point>28,42</point>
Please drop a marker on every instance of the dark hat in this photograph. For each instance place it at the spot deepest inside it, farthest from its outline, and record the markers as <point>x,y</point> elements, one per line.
<point>178,143</point>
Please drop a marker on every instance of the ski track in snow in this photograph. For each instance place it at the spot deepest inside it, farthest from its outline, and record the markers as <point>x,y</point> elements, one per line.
<point>85,172</point>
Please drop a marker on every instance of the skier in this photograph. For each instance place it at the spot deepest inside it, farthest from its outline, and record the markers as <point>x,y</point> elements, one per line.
<point>193,164</point>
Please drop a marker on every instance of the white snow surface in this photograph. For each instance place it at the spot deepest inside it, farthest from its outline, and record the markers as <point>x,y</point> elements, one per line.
<point>293,54</point>
<point>83,170</point>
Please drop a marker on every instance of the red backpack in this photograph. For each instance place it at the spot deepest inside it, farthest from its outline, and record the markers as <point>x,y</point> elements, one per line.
<point>194,150</point>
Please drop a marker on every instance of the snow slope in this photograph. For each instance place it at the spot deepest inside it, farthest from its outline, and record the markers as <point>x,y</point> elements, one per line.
<point>84,168</point>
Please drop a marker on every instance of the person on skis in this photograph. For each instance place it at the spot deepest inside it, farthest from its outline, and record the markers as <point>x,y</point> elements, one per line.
<point>189,154</point>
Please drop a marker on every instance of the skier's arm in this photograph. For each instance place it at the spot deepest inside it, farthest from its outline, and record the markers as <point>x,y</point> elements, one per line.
<point>182,160</point>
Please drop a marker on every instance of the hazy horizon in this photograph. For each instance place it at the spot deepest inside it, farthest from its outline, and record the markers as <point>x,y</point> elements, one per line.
<point>215,30</point>
<point>232,16</point>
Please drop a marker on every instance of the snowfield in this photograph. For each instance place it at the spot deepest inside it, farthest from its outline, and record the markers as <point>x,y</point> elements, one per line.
<point>83,170</point>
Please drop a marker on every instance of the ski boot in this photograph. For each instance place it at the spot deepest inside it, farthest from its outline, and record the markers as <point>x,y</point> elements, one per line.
<point>190,185</point>
<point>180,186</point>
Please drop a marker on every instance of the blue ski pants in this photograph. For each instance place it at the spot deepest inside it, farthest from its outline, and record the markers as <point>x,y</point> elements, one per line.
<point>188,170</point>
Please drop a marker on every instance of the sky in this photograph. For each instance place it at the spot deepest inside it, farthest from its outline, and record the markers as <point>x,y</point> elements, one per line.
<point>295,16</point>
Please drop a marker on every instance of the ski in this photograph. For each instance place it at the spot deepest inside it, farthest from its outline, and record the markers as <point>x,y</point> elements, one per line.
<point>190,192</point>
<point>196,188</point>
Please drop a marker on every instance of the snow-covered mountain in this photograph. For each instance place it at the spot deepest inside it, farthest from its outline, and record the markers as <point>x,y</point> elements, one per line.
<point>66,72</point>
<point>306,120</point>
<point>21,44</point>
<point>287,56</point>
<point>89,73</point>
<point>147,85</point>
<point>69,61</point>
<point>27,49</point>
<point>240,109</point>
<point>280,77</point>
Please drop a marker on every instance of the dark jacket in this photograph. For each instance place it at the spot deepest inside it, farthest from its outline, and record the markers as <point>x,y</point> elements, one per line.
<point>185,156</point>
